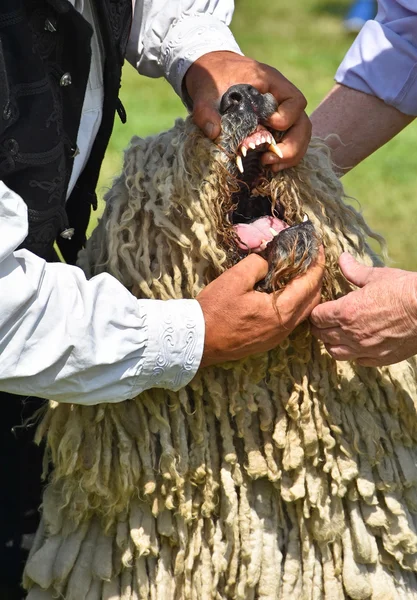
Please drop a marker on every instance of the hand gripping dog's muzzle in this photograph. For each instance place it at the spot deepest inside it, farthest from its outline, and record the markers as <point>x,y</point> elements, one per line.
<point>261,222</point>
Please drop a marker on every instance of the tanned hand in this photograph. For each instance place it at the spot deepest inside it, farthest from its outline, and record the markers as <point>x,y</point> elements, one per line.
<point>211,76</point>
<point>241,321</point>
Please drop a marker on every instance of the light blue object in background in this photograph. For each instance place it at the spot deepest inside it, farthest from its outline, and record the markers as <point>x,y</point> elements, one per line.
<point>359,12</point>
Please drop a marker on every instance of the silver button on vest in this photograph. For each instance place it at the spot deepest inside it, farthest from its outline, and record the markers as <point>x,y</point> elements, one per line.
<point>65,80</point>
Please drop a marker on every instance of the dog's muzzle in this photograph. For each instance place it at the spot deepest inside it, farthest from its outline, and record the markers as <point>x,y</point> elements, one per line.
<point>258,222</point>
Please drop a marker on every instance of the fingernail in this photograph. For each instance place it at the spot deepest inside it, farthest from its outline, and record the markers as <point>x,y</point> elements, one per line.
<point>209,129</point>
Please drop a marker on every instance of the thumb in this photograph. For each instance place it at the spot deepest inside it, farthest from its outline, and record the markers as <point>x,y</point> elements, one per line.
<point>354,271</point>
<point>205,90</point>
<point>249,271</point>
<point>206,115</point>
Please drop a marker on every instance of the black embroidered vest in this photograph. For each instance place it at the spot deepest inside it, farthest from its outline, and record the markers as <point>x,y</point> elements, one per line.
<point>45,59</point>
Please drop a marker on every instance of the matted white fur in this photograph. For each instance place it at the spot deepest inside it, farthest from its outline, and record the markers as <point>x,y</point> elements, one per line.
<point>281,477</point>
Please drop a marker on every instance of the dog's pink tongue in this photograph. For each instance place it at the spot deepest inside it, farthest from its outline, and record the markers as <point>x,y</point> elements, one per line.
<point>252,235</point>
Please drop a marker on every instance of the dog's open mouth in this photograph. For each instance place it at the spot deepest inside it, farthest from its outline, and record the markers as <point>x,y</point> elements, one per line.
<point>262,220</point>
<point>255,219</point>
<point>245,137</point>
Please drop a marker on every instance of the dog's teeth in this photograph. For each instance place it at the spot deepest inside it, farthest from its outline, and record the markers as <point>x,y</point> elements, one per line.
<point>272,230</point>
<point>263,139</point>
<point>305,218</point>
<point>252,145</point>
<point>263,245</point>
<point>243,151</point>
<point>239,163</point>
<point>274,148</point>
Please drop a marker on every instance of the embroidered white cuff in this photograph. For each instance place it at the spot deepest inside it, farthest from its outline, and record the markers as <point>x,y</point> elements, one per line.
<point>71,339</point>
<point>175,343</point>
<point>189,38</point>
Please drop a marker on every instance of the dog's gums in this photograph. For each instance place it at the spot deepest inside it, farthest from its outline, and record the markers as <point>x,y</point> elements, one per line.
<point>258,220</point>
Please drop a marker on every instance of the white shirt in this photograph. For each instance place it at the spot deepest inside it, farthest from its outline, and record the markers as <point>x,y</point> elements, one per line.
<point>166,38</point>
<point>382,60</point>
<point>92,110</point>
<point>72,340</point>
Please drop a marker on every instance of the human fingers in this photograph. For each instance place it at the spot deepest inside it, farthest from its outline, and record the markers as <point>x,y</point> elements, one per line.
<point>371,362</point>
<point>290,307</point>
<point>387,355</point>
<point>241,321</point>
<point>291,102</point>
<point>291,106</point>
<point>379,361</point>
<point>346,353</point>
<point>204,82</point>
<point>341,352</point>
<point>205,113</point>
<point>234,283</point>
<point>206,116</point>
<point>290,117</point>
<point>311,280</point>
<point>209,77</point>
<point>354,271</point>
<point>293,146</point>
<point>249,271</point>
<point>334,336</point>
<point>213,73</point>
<point>303,293</point>
<point>327,314</point>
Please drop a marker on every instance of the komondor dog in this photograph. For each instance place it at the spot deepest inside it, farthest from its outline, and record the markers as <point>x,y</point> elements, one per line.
<point>287,475</point>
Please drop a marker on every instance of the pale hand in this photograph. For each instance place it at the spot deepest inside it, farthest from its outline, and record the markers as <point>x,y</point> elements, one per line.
<point>211,76</point>
<point>375,325</point>
<point>241,321</point>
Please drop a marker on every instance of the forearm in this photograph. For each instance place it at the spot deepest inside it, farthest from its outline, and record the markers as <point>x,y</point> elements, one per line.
<point>357,123</point>
<point>72,340</point>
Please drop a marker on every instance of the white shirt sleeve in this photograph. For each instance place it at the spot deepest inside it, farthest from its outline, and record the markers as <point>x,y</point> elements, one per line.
<point>168,36</point>
<point>68,339</point>
<point>382,60</point>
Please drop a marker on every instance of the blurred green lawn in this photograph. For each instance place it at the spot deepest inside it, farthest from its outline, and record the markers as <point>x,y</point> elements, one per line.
<point>305,40</point>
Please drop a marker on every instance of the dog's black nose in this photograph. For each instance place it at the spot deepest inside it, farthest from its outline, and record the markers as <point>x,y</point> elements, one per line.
<point>240,98</point>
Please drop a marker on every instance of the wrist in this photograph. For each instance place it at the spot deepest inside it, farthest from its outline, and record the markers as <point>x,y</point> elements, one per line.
<point>175,341</point>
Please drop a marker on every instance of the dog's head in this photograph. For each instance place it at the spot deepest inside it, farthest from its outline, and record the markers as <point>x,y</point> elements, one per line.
<point>185,208</point>
<point>260,220</point>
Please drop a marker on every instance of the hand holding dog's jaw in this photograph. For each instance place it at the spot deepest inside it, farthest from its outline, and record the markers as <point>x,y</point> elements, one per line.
<point>241,321</point>
<point>214,73</point>
<point>375,325</point>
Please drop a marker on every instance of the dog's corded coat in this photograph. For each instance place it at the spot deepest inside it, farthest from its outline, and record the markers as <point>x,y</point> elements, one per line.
<point>283,476</point>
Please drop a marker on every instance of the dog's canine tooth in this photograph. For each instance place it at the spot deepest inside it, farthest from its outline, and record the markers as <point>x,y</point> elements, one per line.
<point>252,145</point>
<point>274,148</point>
<point>239,163</point>
<point>272,230</point>
<point>305,218</point>
<point>243,151</point>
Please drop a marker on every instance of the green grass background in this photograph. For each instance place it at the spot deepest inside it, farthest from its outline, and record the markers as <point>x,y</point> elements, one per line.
<point>305,40</point>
